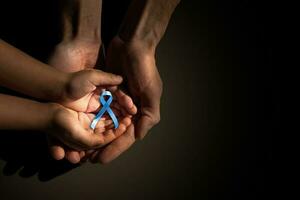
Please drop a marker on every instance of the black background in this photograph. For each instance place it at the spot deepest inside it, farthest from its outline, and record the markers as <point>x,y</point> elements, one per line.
<point>220,108</point>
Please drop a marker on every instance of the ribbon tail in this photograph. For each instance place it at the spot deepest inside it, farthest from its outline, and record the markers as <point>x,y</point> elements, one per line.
<point>103,109</point>
<point>98,116</point>
<point>113,117</point>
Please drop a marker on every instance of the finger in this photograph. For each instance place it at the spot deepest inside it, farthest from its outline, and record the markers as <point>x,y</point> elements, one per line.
<point>126,121</point>
<point>111,135</point>
<point>87,155</point>
<point>118,146</point>
<point>82,154</point>
<point>150,116</point>
<point>73,156</point>
<point>100,128</point>
<point>91,117</point>
<point>56,149</point>
<point>126,102</point>
<point>112,88</point>
<point>116,112</point>
<point>108,123</point>
<point>99,78</point>
<point>94,155</point>
<point>92,140</point>
<point>144,124</point>
<point>94,104</point>
<point>115,105</point>
<point>119,111</point>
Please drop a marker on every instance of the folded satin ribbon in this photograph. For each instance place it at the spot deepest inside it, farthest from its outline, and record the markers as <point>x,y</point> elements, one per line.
<point>105,107</point>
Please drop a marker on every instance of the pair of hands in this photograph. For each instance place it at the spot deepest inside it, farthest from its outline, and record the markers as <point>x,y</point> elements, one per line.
<point>69,132</point>
<point>136,64</point>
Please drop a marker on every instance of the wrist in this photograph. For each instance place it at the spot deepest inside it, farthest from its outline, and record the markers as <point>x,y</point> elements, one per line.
<point>51,109</point>
<point>89,20</point>
<point>80,40</point>
<point>146,41</point>
<point>59,87</point>
<point>136,46</point>
<point>81,20</point>
<point>89,34</point>
<point>146,21</point>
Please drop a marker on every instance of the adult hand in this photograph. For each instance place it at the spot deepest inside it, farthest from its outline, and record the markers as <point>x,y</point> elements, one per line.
<point>75,55</point>
<point>122,107</point>
<point>137,65</point>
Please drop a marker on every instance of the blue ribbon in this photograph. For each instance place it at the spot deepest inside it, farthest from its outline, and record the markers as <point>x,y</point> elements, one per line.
<point>105,107</point>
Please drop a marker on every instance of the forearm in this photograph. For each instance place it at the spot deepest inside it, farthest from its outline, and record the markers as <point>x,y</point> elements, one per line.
<point>88,23</point>
<point>22,73</point>
<point>22,114</point>
<point>147,20</point>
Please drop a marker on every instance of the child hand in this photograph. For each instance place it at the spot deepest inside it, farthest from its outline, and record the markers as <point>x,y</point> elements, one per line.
<point>72,129</point>
<point>123,108</point>
<point>81,89</point>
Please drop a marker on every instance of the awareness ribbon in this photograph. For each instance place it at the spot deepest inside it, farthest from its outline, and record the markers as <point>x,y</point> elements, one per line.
<point>105,107</point>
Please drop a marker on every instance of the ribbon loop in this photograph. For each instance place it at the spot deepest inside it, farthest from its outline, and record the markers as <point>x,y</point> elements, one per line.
<point>105,107</point>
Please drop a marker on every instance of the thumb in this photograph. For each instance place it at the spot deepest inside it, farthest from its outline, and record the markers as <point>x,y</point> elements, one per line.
<point>99,78</point>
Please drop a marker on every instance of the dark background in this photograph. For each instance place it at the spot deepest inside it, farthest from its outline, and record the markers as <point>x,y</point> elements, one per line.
<point>220,108</point>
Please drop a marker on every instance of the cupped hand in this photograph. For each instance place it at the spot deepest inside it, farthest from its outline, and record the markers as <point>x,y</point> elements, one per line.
<point>72,129</point>
<point>123,108</point>
<point>71,57</point>
<point>136,63</point>
<point>69,133</point>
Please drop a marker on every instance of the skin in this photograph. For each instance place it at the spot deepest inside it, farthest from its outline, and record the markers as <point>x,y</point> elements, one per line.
<point>81,40</point>
<point>63,124</point>
<point>132,54</point>
<point>79,50</point>
<point>70,63</point>
<point>122,107</point>
<point>22,73</point>
<point>59,150</point>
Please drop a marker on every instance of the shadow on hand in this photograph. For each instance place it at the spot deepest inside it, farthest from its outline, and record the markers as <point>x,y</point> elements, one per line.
<point>26,153</point>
